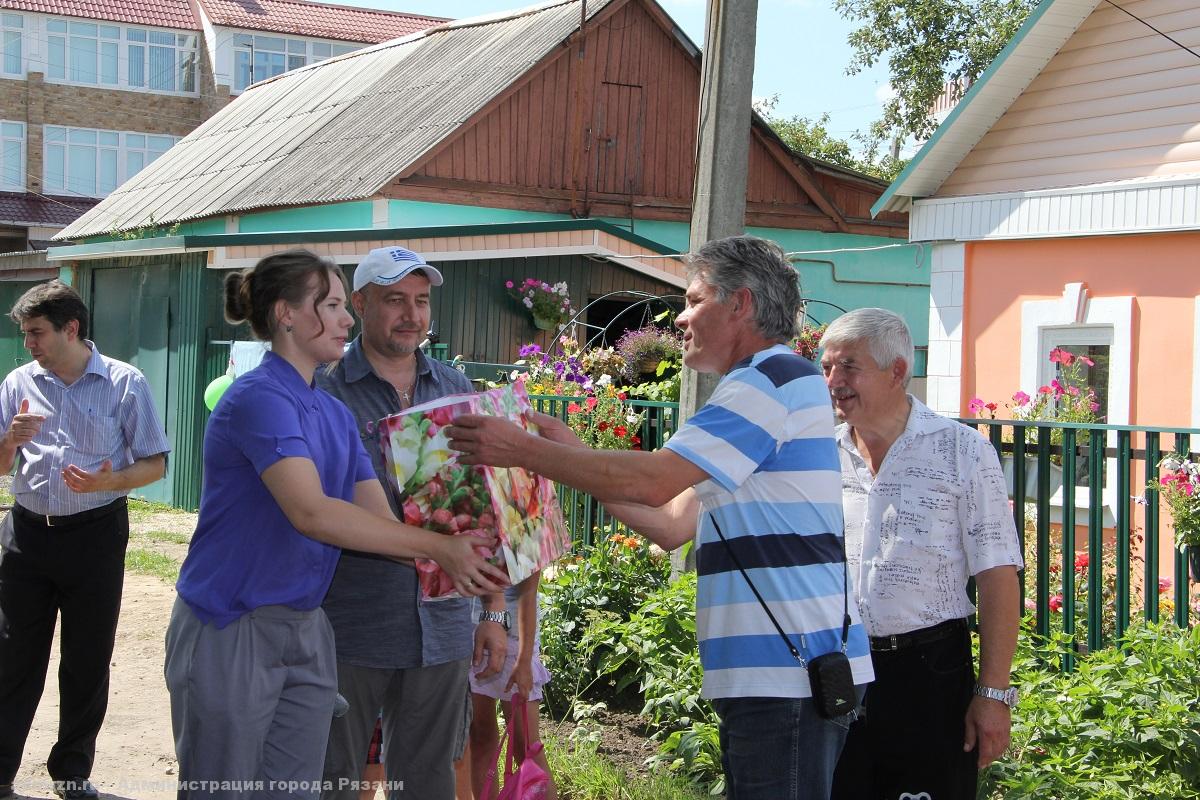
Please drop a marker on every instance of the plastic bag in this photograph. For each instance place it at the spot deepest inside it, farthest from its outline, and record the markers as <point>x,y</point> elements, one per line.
<point>527,781</point>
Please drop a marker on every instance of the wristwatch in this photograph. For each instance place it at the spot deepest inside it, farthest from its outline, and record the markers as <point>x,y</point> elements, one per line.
<point>501,618</point>
<point>1007,696</point>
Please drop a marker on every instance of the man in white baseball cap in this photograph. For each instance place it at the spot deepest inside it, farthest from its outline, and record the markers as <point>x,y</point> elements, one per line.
<point>394,652</point>
<point>388,265</point>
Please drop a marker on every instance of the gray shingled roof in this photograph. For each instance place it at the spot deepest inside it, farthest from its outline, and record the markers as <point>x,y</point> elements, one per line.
<point>337,130</point>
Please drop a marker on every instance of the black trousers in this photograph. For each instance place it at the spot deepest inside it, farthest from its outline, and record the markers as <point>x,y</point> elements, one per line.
<point>910,742</point>
<point>74,571</point>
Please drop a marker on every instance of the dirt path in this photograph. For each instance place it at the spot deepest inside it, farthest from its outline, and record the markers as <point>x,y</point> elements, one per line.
<point>135,754</point>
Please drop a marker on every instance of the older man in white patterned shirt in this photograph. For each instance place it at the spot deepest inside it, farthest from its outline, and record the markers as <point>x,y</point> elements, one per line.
<point>926,508</point>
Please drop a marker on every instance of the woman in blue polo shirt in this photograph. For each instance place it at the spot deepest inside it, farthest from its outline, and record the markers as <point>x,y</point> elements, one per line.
<point>250,657</point>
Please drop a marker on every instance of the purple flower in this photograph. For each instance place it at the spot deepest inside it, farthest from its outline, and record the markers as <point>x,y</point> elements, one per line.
<point>529,351</point>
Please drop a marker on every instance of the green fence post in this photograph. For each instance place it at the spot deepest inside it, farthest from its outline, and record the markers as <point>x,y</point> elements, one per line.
<point>1042,570</point>
<point>1150,545</point>
<point>1124,456</point>
<point>1183,446</point>
<point>1067,569</point>
<point>1095,539</point>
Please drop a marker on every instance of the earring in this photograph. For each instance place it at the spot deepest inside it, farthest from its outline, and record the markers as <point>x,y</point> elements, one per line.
<point>288,328</point>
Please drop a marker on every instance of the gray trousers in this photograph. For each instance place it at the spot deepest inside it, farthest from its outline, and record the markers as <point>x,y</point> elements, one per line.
<point>251,702</point>
<point>424,724</point>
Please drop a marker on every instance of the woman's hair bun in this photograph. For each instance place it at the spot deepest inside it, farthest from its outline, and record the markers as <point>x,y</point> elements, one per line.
<point>237,296</point>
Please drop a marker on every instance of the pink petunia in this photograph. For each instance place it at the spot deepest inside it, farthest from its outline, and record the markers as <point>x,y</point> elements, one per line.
<point>975,406</point>
<point>1056,603</point>
<point>1095,406</point>
<point>1060,356</point>
<point>1057,387</point>
<point>1073,391</point>
<point>1164,585</point>
<point>1087,361</point>
<point>1020,398</point>
<point>1044,390</point>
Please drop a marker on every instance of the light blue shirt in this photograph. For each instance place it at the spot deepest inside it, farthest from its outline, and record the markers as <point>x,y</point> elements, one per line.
<point>107,414</point>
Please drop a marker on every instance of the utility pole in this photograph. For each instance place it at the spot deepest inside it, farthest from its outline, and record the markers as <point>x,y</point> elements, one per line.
<point>723,146</point>
<point>722,154</point>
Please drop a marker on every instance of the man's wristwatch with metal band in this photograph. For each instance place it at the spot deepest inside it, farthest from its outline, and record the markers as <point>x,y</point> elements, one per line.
<point>1007,696</point>
<point>501,618</point>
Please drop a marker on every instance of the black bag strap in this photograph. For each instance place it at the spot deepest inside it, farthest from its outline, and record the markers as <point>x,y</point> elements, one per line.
<point>786,639</point>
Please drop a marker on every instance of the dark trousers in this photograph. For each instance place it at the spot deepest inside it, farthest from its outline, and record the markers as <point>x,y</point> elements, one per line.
<point>75,571</point>
<point>910,741</point>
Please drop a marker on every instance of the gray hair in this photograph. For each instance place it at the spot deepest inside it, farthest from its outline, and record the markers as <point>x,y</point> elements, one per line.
<point>884,332</point>
<point>748,262</point>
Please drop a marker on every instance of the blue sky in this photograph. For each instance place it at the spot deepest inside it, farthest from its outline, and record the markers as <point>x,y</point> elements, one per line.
<point>800,54</point>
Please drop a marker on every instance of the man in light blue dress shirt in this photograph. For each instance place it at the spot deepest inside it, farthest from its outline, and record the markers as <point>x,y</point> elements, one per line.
<point>83,431</point>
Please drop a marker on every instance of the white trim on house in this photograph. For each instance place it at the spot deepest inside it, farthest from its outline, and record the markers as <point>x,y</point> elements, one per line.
<point>943,388</point>
<point>1110,319</point>
<point>1139,205</point>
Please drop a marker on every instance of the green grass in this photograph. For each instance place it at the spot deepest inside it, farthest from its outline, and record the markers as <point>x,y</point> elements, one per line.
<point>583,774</point>
<point>140,509</point>
<point>147,562</point>
<point>166,537</point>
<point>6,498</point>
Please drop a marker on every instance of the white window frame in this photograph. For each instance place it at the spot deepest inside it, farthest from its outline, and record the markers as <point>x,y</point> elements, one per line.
<point>247,43</point>
<point>123,149</point>
<point>20,30</point>
<point>129,36</point>
<point>20,186</point>
<point>1106,320</point>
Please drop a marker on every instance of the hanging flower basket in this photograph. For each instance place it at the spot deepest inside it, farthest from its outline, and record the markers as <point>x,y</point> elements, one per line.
<point>544,323</point>
<point>549,305</point>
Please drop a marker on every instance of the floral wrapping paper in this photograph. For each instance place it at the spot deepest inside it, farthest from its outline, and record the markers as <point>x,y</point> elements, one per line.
<point>515,505</point>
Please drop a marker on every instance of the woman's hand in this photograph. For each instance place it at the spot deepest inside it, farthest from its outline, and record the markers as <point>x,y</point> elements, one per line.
<point>459,556</point>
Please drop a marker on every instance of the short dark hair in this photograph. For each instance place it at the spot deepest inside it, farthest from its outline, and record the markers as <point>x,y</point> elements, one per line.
<point>250,295</point>
<point>55,301</point>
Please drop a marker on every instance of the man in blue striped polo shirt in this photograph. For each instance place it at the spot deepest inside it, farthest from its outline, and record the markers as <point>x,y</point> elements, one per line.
<point>758,460</point>
<point>84,431</point>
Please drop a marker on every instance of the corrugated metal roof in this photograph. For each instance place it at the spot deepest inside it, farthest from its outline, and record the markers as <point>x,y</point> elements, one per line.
<point>316,19</point>
<point>340,129</point>
<point>1023,58</point>
<point>164,13</point>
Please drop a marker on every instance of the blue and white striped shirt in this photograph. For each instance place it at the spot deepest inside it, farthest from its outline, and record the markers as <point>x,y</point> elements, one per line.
<point>108,414</point>
<point>765,438</point>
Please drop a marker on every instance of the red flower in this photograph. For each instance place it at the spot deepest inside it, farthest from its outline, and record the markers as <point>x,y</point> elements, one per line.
<point>1044,390</point>
<point>574,408</point>
<point>991,407</point>
<point>1060,356</point>
<point>590,403</point>
<point>621,431</point>
<point>621,396</point>
<point>1056,603</point>
<point>602,426</point>
<point>635,440</point>
<point>1081,562</point>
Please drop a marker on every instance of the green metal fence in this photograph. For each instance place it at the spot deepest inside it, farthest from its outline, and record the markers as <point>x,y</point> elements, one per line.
<point>585,516</point>
<point>1093,477</point>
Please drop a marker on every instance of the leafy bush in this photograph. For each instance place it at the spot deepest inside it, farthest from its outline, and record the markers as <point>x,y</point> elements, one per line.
<point>1125,724</point>
<point>605,583</point>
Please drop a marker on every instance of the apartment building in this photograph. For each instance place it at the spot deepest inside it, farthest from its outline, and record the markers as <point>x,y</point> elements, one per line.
<point>91,93</point>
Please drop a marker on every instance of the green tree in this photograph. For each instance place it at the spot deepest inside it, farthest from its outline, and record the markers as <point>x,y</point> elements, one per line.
<point>812,138</point>
<point>927,45</point>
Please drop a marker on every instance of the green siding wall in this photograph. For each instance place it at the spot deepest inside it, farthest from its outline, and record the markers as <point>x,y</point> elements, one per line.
<point>328,217</point>
<point>412,213</point>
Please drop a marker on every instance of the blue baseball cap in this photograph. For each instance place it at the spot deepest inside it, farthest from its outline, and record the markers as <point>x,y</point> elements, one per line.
<point>387,265</point>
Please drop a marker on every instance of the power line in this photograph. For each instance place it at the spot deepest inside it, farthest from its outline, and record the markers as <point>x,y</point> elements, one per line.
<point>1175,42</point>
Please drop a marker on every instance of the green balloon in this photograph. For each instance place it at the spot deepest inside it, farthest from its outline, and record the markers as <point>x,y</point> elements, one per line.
<point>215,389</point>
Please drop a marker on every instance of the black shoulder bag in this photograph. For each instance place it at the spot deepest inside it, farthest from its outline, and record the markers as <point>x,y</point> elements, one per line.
<point>829,675</point>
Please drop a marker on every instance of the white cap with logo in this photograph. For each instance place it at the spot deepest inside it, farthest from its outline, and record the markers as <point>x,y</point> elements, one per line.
<point>387,265</point>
